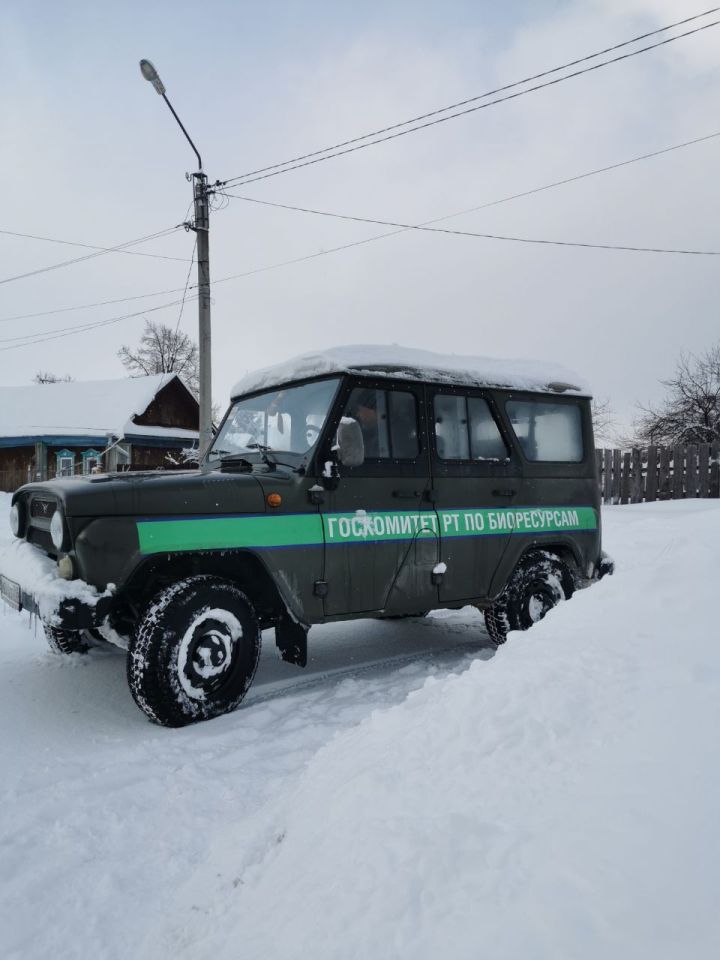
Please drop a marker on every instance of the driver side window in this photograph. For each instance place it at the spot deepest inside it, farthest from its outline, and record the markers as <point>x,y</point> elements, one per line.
<point>388,420</point>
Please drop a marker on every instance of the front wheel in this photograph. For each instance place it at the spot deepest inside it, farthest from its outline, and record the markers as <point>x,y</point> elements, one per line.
<point>539,582</point>
<point>195,652</point>
<point>66,641</point>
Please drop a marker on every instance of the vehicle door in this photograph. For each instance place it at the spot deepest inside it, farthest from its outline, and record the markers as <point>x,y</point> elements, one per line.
<point>558,501</point>
<point>475,476</point>
<point>381,541</point>
<point>278,430</point>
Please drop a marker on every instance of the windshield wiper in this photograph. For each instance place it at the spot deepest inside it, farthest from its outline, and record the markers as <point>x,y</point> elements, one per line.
<point>265,452</point>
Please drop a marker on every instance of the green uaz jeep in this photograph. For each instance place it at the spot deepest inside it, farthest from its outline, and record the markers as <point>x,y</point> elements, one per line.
<point>360,482</point>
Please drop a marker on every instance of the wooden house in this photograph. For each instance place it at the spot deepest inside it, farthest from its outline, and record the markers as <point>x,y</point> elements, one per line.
<point>65,429</point>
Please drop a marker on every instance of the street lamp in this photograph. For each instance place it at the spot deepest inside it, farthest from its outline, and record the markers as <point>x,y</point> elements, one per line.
<point>201,226</point>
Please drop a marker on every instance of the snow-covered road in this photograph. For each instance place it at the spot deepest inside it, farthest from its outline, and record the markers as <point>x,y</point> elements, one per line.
<point>411,794</point>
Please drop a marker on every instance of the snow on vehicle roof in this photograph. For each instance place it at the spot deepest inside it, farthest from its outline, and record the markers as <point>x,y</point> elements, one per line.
<point>85,408</point>
<point>411,364</point>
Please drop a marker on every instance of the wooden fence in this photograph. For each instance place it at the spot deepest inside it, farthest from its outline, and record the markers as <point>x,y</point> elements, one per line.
<point>625,476</point>
<point>659,473</point>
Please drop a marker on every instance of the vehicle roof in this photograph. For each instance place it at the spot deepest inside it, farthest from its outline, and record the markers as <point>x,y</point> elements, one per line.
<point>407,363</point>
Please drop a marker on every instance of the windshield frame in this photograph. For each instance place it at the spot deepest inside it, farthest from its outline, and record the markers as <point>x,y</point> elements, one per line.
<point>287,457</point>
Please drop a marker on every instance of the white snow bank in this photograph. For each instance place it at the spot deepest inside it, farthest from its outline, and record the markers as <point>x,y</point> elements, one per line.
<point>37,573</point>
<point>558,801</point>
<point>409,363</point>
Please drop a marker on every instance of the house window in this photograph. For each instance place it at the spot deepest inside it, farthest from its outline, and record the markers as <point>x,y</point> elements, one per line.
<point>65,463</point>
<point>92,460</point>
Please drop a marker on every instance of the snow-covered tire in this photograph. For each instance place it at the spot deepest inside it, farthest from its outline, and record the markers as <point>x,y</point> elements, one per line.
<point>539,582</point>
<point>66,641</point>
<point>194,653</point>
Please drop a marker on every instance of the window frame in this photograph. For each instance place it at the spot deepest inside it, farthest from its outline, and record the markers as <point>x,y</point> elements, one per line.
<point>379,466</point>
<point>64,456</point>
<point>576,402</point>
<point>452,467</point>
<point>317,454</point>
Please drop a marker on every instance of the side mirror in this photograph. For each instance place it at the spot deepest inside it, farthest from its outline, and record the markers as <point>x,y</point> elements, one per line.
<point>350,443</point>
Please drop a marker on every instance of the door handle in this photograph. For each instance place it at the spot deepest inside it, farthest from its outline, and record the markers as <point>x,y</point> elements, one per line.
<point>504,493</point>
<point>406,494</point>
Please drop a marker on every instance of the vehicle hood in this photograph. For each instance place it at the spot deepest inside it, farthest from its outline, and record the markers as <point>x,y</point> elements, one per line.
<point>154,493</point>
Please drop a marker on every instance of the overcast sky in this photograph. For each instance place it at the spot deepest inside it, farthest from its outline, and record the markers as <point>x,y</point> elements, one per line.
<point>90,153</point>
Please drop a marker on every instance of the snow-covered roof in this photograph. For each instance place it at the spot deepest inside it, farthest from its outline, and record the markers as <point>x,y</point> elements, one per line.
<point>85,408</point>
<point>412,364</point>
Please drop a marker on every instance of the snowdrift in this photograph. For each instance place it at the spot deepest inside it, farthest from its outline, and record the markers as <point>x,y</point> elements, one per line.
<point>558,801</point>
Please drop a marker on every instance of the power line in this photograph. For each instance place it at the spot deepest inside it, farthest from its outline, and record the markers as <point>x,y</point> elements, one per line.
<point>185,291</point>
<point>381,236</point>
<point>70,331</point>
<point>471,233</point>
<point>91,256</point>
<point>90,246</point>
<point>88,306</point>
<point>350,146</point>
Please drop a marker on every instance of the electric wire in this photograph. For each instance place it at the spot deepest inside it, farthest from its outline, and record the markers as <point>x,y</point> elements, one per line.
<point>381,236</point>
<point>482,236</point>
<point>350,146</point>
<point>90,256</point>
<point>90,246</point>
<point>88,306</point>
<point>33,339</point>
<point>185,291</point>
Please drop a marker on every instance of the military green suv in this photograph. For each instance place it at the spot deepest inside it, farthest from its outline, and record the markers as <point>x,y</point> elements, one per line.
<point>360,482</point>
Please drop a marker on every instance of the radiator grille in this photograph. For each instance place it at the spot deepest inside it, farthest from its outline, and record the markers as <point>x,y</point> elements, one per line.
<point>43,508</point>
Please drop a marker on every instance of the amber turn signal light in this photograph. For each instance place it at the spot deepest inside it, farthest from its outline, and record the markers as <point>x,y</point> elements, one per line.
<point>274,499</point>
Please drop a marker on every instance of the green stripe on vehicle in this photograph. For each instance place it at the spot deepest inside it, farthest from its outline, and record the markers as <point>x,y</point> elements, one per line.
<point>220,533</point>
<point>300,530</point>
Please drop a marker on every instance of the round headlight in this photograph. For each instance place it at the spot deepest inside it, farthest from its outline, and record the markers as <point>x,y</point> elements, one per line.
<point>57,529</point>
<point>15,519</point>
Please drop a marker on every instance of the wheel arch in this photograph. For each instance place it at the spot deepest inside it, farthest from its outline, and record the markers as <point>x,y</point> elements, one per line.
<point>244,568</point>
<point>564,548</point>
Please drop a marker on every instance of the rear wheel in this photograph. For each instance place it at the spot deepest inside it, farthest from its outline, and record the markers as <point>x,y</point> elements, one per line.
<point>195,652</point>
<point>540,581</point>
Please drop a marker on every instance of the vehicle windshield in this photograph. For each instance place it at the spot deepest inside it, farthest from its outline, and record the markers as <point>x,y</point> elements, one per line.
<point>288,420</point>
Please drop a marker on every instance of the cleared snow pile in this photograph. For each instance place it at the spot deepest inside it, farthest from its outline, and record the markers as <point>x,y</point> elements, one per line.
<point>557,801</point>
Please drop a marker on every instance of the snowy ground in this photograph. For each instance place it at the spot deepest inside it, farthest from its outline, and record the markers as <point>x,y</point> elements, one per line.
<point>409,795</point>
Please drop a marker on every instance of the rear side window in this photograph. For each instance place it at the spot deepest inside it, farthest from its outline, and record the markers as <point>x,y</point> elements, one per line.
<point>388,420</point>
<point>547,431</point>
<point>466,430</point>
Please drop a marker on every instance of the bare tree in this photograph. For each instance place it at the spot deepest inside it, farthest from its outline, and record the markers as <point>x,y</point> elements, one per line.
<point>690,411</point>
<point>44,376</point>
<point>604,422</point>
<point>163,349</point>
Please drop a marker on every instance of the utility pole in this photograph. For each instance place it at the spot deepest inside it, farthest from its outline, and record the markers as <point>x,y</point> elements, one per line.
<point>201,226</point>
<point>202,232</point>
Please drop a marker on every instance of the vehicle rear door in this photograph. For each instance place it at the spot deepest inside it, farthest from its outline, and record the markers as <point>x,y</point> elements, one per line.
<point>558,499</point>
<point>381,537</point>
<point>475,477</point>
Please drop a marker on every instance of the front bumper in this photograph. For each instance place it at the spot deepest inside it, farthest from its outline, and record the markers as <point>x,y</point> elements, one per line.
<point>29,580</point>
<point>70,613</point>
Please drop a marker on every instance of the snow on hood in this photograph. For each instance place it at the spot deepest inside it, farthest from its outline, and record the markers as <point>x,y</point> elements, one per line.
<point>80,408</point>
<point>412,364</point>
